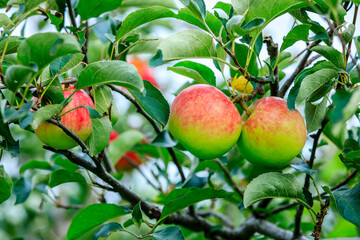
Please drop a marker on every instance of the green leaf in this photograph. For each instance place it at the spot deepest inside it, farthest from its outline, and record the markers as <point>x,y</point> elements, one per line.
<point>294,91</point>
<point>66,63</point>
<point>35,164</point>
<point>188,44</point>
<point>29,5</point>
<point>140,17</point>
<point>65,163</point>
<point>348,33</point>
<point>42,48</point>
<point>313,82</point>
<point>124,143</point>
<point>242,50</point>
<point>22,189</point>
<point>215,25</point>
<point>181,198</point>
<point>110,72</point>
<point>107,229</point>
<point>11,115</point>
<point>272,185</point>
<point>197,7</point>
<point>93,8</point>
<point>5,185</point>
<point>170,233</point>
<point>330,54</point>
<point>235,24</point>
<point>303,167</point>
<point>45,113</point>
<point>4,20</point>
<point>314,115</point>
<point>103,98</point>
<point>164,140</point>
<point>149,3</point>
<point>154,103</point>
<point>99,138</point>
<point>347,201</point>
<point>92,216</point>
<point>186,15</point>
<point>55,19</point>
<point>345,106</point>
<point>61,176</point>
<point>13,45</point>
<point>267,9</point>
<point>17,75</point>
<point>54,95</point>
<point>196,71</point>
<point>226,7</point>
<point>3,3</point>
<point>137,216</point>
<point>299,32</point>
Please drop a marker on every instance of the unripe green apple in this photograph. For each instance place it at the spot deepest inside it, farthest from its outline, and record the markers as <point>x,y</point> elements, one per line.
<point>204,121</point>
<point>78,121</point>
<point>272,135</point>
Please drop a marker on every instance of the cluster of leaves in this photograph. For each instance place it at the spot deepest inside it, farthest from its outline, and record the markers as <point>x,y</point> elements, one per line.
<point>93,57</point>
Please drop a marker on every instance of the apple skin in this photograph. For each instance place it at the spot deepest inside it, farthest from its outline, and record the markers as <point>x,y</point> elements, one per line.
<point>78,121</point>
<point>272,135</point>
<point>204,121</point>
<point>145,72</point>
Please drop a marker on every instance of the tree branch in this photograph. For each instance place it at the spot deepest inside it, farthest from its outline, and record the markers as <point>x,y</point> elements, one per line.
<point>299,212</point>
<point>70,133</point>
<point>153,123</point>
<point>272,49</point>
<point>71,13</point>
<point>228,176</point>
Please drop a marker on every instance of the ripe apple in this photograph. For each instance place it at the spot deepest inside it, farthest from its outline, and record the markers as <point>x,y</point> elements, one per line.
<point>144,70</point>
<point>129,160</point>
<point>272,135</point>
<point>204,121</point>
<point>78,121</point>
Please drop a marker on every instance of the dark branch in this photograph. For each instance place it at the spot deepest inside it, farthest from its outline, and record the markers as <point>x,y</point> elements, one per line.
<point>70,133</point>
<point>299,212</point>
<point>71,13</point>
<point>272,49</point>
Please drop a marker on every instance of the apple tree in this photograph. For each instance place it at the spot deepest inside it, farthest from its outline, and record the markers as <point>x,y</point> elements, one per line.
<point>262,140</point>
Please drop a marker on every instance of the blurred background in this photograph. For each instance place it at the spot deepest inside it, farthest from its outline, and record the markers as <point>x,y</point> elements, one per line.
<point>43,214</point>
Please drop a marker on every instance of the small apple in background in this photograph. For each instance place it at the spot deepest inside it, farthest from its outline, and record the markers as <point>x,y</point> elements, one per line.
<point>204,121</point>
<point>272,135</point>
<point>78,121</point>
<point>130,159</point>
<point>144,70</point>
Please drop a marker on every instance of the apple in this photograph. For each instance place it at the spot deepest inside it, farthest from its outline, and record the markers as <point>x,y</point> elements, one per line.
<point>144,70</point>
<point>129,160</point>
<point>272,135</point>
<point>204,121</point>
<point>78,121</point>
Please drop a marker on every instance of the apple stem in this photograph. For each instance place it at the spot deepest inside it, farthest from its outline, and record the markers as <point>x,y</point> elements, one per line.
<point>243,106</point>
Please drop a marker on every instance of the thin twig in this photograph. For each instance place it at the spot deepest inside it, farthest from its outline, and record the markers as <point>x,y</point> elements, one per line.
<point>153,123</point>
<point>272,49</point>
<point>71,13</point>
<point>136,166</point>
<point>299,212</point>
<point>228,176</point>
